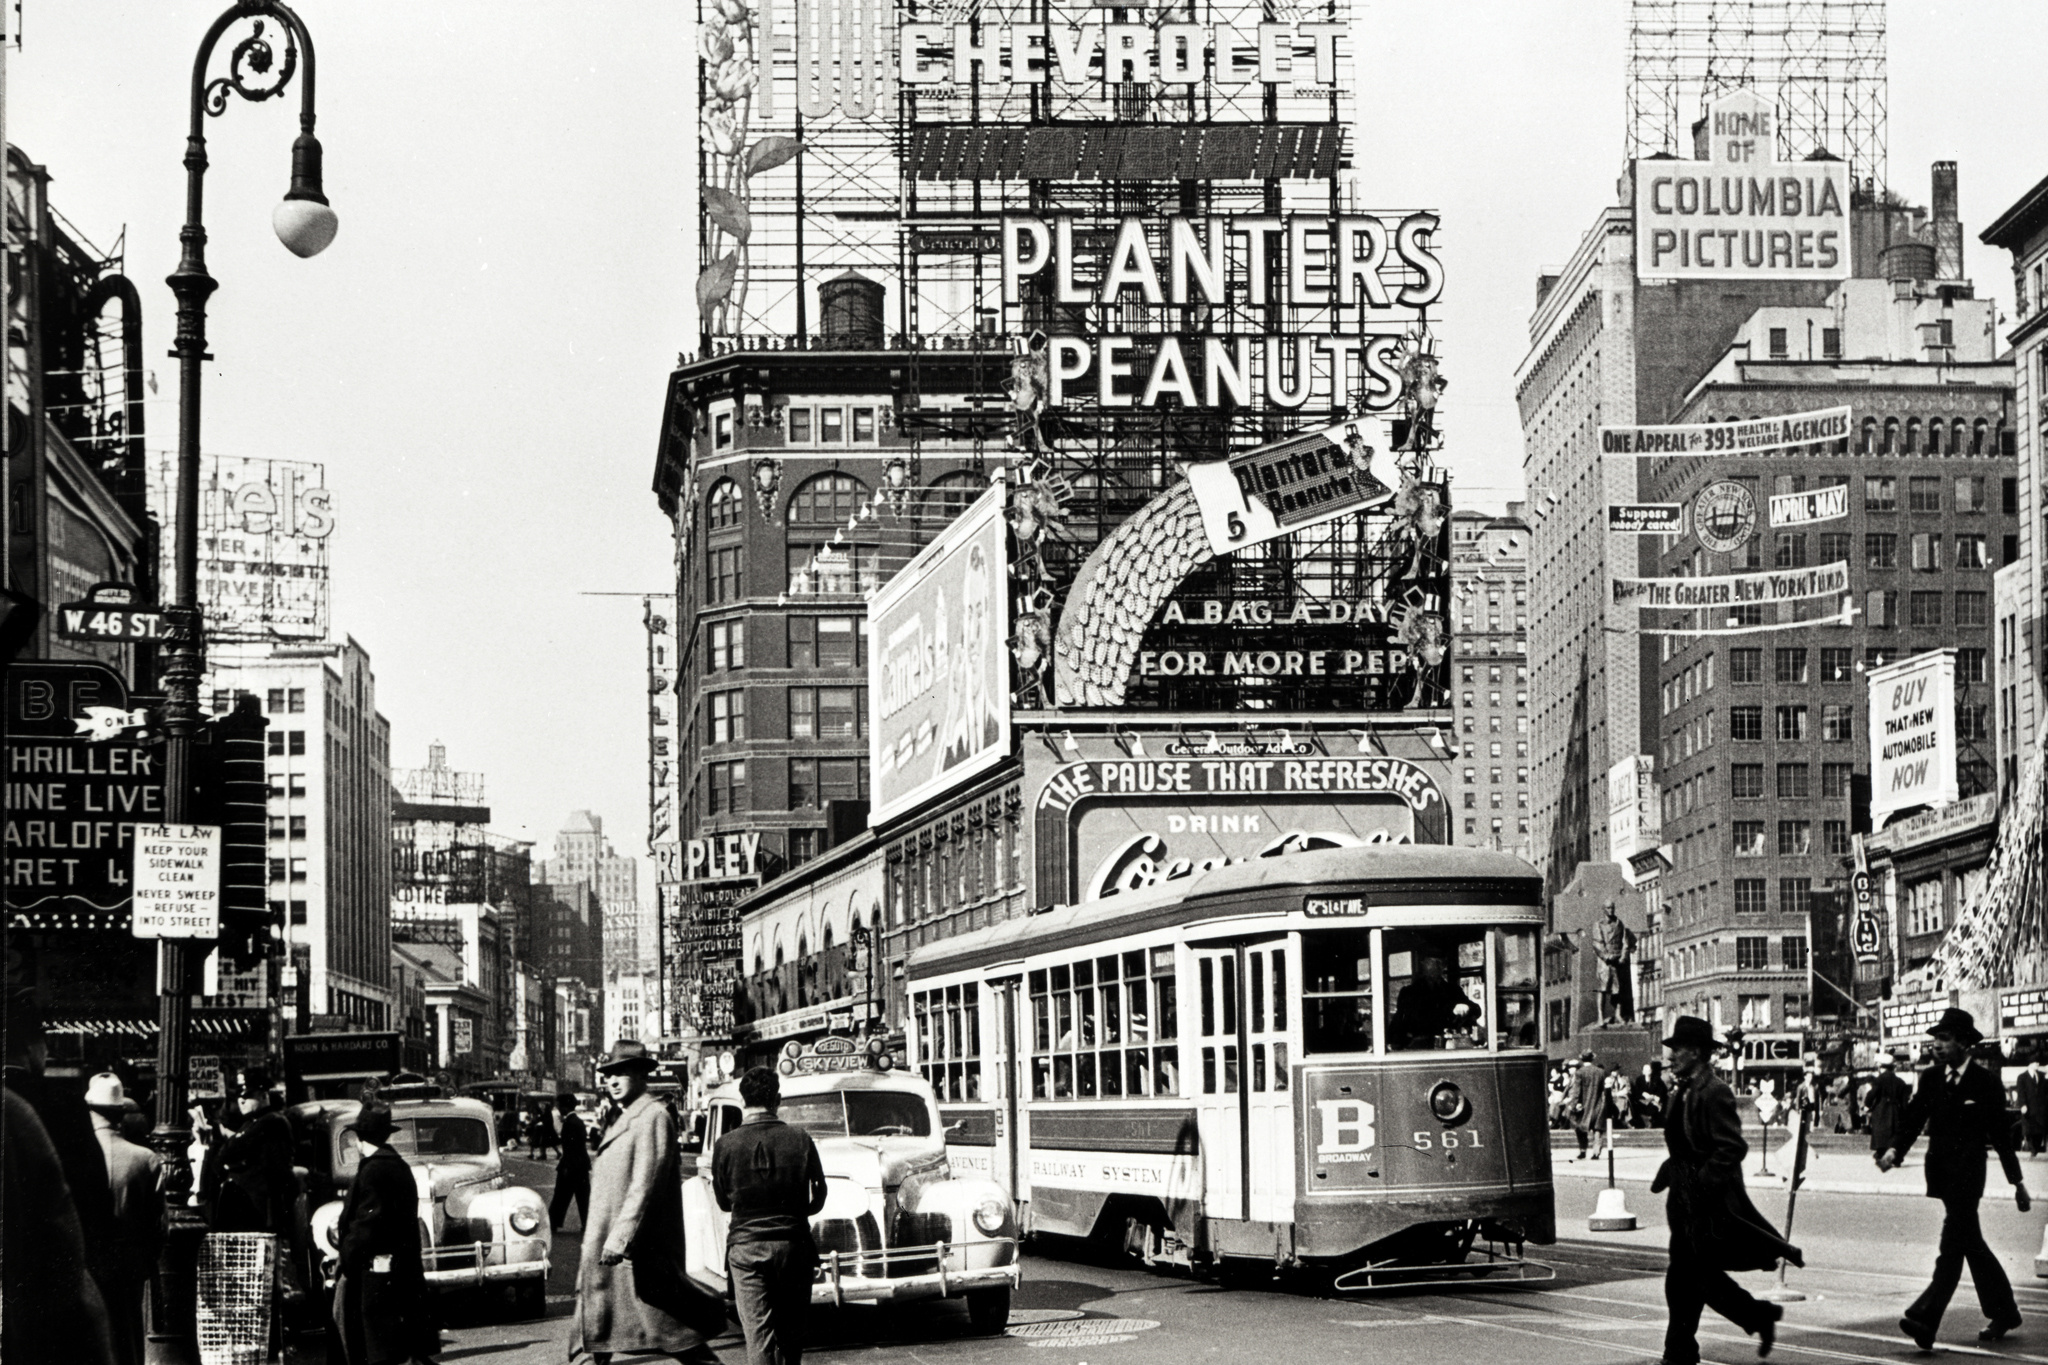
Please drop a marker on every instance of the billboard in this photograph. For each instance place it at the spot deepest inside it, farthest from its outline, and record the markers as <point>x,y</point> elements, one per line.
<point>1740,214</point>
<point>263,531</point>
<point>1646,519</point>
<point>939,669</point>
<point>1635,814</point>
<point>1804,509</point>
<point>1289,485</point>
<point>1758,436</point>
<point>1912,734</point>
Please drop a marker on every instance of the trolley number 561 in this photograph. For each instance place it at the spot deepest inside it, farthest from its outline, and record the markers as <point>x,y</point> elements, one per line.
<point>1449,1140</point>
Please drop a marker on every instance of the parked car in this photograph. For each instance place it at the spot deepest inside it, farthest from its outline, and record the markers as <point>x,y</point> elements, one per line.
<point>898,1223</point>
<point>477,1227</point>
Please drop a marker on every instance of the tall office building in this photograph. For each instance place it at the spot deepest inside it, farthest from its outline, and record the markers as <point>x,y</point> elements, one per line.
<point>329,766</point>
<point>1490,680</point>
<point>583,855</point>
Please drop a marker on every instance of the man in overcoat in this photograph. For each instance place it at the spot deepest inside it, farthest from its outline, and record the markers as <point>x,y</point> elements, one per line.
<point>1889,1097</point>
<point>1589,1101</point>
<point>1961,1106</point>
<point>1714,1227</point>
<point>633,1292</point>
<point>138,1215</point>
<point>2033,1098</point>
<point>381,1312</point>
<point>572,1172</point>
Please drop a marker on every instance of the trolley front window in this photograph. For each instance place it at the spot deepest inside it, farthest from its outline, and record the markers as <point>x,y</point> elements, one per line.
<point>1437,981</point>
<point>1336,991</point>
<point>1444,988</point>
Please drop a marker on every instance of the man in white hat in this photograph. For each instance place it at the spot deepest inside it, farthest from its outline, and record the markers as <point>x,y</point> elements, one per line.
<point>138,1215</point>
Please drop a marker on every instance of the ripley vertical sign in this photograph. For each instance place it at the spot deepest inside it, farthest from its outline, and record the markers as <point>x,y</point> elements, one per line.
<point>1740,215</point>
<point>940,668</point>
<point>1912,734</point>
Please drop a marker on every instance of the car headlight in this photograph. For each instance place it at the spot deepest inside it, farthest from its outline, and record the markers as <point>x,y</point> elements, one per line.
<point>989,1215</point>
<point>525,1222</point>
<point>332,1234</point>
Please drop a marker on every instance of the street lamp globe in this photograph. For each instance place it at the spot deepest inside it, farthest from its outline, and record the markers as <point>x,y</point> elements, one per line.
<point>305,226</point>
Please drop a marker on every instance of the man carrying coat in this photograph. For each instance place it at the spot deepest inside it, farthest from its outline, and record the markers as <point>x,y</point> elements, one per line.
<point>1961,1105</point>
<point>381,1313</point>
<point>633,1292</point>
<point>1714,1227</point>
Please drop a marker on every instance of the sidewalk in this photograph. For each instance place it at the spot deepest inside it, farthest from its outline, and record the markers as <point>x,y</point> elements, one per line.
<point>1835,1171</point>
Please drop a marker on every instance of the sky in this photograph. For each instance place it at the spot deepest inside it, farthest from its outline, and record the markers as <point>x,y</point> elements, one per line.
<point>479,358</point>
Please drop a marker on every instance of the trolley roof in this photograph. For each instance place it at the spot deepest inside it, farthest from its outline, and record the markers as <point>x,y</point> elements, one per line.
<point>1381,874</point>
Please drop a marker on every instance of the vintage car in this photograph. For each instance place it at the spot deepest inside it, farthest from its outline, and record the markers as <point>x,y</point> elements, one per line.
<point>476,1226</point>
<point>898,1223</point>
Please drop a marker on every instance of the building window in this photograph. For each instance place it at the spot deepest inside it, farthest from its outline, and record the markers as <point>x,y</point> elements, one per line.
<point>831,426</point>
<point>1927,552</point>
<point>728,787</point>
<point>826,568</point>
<point>1834,547</point>
<point>828,713</point>
<point>1923,907</point>
<point>828,642</point>
<point>1973,722</point>
<point>1830,343</point>
<point>722,575</point>
<point>1791,552</point>
<point>1791,723</point>
<point>829,499</point>
<point>800,426</point>
<point>1973,608</point>
<point>1753,954</point>
<point>728,645</point>
<point>724,507</point>
<point>1881,609</point>
<point>1880,493</point>
<point>277,869</point>
<point>814,781</point>
<point>1791,665</point>
<point>298,869</point>
<point>1747,781</point>
<point>298,912</point>
<point>1923,494</point>
<point>1969,662</point>
<point>1779,347</point>
<point>1795,838</point>
<point>1837,723</point>
<point>1836,780</point>
<point>805,844</point>
<point>721,431</point>
<point>1836,664</point>
<point>1881,549</point>
<point>1970,493</point>
<point>1795,895</point>
<point>273,701</point>
<point>728,717</point>
<point>1926,608</point>
<point>298,826</point>
<point>1792,953</point>
<point>1749,838</point>
<point>1746,666</point>
<point>1792,782</point>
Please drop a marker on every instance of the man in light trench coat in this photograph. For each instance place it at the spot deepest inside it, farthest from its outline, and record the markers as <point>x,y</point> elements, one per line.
<point>632,1292</point>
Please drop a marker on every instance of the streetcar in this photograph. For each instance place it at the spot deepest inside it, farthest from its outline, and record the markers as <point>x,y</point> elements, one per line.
<point>1328,1062</point>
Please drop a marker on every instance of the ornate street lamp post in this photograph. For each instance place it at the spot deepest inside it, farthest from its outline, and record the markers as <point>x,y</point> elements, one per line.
<point>305,224</point>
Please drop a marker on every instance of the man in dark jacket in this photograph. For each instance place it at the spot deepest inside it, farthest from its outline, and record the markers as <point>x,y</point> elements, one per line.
<point>1588,1102</point>
<point>1714,1227</point>
<point>768,1176</point>
<point>2033,1098</point>
<point>572,1172</point>
<point>1889,1097</point>
<point>1961,1105</point>
<point>380,1295</point>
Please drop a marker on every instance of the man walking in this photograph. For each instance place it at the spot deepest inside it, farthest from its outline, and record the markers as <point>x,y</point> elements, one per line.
<point>572,1172</point>
<point>381,1312</point>
<point>768,1176</point>
<point>1889,1097</point>
<point>1589,1101</point>
<point>1714,1227</point>
<point>2033,1098</point>
<point>633,1289</point>
<point>138,1215</point>
<point>1961,1105</point>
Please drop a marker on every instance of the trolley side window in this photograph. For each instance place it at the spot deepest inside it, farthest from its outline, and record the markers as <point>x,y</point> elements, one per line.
<point>1437,978</point>
<point>1336,991</point>
<point>1105,1027</point>
<point>948,1021</point>
<point>1515,1019</point>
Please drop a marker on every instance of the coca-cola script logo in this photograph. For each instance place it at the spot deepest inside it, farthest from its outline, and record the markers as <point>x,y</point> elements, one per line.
<point>1143,861</point>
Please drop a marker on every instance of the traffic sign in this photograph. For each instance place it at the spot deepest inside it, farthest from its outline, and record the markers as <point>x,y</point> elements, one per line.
<point>177,881</point>
<point>203,1078</point>
<point>110,615</point>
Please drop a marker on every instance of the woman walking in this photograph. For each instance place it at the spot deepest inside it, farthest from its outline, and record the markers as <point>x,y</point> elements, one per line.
<point>381,1312</point>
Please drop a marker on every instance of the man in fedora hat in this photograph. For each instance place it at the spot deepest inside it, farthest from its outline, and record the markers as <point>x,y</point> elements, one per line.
<point>1589,1101</point>
<point>1961,1105</point>
<point>1714,1227</point>
<point>138,1215</point>
<point>381,1312</point>
<point>633,1292</point>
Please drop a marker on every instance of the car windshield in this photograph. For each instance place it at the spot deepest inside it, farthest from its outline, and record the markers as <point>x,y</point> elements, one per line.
<point>859,1113</point>
<point>428,1137</point>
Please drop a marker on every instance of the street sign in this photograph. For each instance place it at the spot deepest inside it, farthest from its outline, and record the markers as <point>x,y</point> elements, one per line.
<point>203,1078</point>
<point>330,1056</point>
<point>177,881</point>
<point>109,614</point>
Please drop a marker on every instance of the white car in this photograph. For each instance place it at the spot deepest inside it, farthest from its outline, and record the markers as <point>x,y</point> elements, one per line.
<point>477,1227</point>
<point>898,1224</point>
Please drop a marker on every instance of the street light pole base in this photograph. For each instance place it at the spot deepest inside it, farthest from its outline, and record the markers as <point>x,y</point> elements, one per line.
<point>1611,1213</point>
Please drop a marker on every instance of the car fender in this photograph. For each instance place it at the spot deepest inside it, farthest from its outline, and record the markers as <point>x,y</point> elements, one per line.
<point>960,1197</point>
<point>326,1230</point>
<point>494,1209</point>
<point>704,1227</point>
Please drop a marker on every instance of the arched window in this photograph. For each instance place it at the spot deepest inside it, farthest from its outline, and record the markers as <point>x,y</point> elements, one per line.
<point>949,495</point>
<point>803,972</point>
<point>1869,446</point>
<point>724,506</point>
<point>1956,436</point>
<point>1912,436</point>
<point>1977,433</point>
<point>1934,437</point>
<point>781,982</point>
<point>1891,435</point>
<point>827,500</point>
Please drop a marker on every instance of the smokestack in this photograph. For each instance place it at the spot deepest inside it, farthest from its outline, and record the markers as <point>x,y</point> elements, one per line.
<point>1948,228</point>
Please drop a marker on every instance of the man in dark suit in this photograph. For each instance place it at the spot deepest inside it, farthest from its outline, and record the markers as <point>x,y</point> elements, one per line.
<point>2033,1098</point>
<point>381,1313</point>
<point>1961,1105</point>
<point>572,1172</point>
<point>1714,1227</point>
<point>1889,1097</point>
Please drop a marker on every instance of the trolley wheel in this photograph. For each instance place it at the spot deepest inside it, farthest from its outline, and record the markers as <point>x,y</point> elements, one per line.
<point>988,1310</point>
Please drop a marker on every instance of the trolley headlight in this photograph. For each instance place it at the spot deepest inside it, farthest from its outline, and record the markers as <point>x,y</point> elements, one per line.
<point>989,1215</point>
<point>525,1222</point>
<point>1448,1103</point>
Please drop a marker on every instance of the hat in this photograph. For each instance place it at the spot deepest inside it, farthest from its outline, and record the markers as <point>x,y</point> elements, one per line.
<point>373,1123</point>
<point>1691,1031</point>
<point>104,1091</point>
<point>628,1054</point>
<point>1587,1055</point>
<point>1957,1024</point>
<point>255,1081</point>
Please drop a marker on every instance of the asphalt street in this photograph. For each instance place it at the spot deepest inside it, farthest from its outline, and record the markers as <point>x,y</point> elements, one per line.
<point>1867,1257</point>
